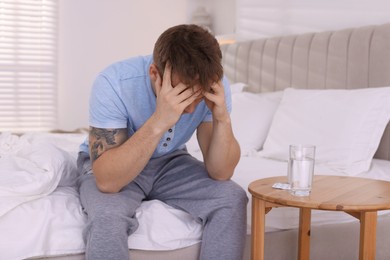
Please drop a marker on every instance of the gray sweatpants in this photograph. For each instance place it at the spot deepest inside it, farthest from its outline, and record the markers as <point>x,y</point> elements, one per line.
<point>177,179</point>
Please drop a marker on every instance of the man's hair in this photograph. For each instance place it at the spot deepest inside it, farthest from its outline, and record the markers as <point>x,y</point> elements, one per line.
<point>193,52</point>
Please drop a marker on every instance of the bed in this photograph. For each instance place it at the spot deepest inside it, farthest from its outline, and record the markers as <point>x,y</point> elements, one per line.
<point>275,83</point>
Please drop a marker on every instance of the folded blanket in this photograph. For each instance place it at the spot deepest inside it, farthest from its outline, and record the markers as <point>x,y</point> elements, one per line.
<point>30,168</point>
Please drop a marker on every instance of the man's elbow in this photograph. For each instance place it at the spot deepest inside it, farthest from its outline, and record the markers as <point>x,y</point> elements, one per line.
<point>103,183</point>
<point>221,174</point>
<point>106,187</point>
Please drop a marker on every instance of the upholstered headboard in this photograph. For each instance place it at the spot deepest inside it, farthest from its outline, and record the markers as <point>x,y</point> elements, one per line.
<point>345,59</point>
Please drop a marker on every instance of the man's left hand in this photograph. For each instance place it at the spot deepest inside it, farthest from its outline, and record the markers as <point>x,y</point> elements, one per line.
<point>215,100</point>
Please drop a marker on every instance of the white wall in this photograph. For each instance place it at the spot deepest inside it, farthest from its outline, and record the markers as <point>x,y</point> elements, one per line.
<point>96,33</point>
<point>222,12</point>
<point>264,18</point>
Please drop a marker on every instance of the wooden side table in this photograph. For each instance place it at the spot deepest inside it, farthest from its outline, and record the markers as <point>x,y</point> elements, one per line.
<point>359,197</point>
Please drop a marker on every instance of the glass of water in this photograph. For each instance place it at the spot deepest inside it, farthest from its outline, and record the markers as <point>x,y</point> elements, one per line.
<point>301,169</point>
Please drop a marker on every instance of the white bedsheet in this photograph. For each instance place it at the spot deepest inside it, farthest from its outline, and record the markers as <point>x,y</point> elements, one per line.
<point>52,224</point>
<point>31,167</point>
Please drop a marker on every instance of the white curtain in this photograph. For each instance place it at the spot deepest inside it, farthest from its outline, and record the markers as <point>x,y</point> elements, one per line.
<point>28,65</point>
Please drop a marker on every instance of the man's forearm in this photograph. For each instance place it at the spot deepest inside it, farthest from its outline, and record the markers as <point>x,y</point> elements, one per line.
<point>117,167</point>
<point>223,151</point>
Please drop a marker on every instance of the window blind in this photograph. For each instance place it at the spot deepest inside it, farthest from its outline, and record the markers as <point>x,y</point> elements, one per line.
<point>28,65</point>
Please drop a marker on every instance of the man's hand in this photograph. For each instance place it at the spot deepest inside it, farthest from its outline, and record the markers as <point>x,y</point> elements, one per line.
<point>215,100</point>
<point>171,99</point>
<point>220,149</point>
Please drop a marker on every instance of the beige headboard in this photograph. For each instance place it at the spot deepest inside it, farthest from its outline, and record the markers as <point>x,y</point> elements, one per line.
<point>350,58</point>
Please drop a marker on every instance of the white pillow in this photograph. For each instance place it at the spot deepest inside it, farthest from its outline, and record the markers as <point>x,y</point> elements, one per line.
<point>251,118</point>
<point>192,145</point>
<point>345,125</point>
<point>237,87</point>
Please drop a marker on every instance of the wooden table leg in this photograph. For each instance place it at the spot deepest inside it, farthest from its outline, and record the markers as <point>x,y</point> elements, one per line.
<point>258,229</point>
<point>367,247</point>
<point>304,234</point>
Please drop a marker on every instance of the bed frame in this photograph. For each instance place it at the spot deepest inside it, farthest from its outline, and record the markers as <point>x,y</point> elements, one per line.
<point>345,59</point>
<point>350,58</point>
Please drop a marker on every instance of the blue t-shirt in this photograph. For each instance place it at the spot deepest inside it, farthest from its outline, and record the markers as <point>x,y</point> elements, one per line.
<point>122,97</point>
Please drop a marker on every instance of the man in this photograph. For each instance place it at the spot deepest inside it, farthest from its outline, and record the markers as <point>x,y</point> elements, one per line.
<point>142,112</point>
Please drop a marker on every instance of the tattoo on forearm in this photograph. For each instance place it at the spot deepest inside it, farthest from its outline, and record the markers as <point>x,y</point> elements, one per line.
<point>102,138</point>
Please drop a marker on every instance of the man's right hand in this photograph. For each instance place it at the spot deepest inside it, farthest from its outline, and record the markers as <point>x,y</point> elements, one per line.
<point>173,97</point>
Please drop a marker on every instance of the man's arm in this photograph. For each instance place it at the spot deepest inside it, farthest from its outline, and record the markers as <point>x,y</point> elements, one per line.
<point>220,149</point>
<point>117,159</point>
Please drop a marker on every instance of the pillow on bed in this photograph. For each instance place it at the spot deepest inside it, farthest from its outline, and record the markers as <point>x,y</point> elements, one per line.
<point>251,118</point>
<point>345,125</point>
<point>237,87</point>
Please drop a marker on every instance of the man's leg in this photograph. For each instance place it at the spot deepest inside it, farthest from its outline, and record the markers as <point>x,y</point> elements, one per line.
<point>111,217</point>
<point>219,205</point>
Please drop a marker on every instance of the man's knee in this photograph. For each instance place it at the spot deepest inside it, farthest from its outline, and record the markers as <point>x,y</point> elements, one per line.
<point>112,220</point>
<point>233,194</point>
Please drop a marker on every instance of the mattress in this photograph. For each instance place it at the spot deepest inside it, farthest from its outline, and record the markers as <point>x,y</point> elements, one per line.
<point>51,224</point>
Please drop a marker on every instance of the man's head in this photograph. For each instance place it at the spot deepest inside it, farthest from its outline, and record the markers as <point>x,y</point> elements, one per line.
<point>193,53</point>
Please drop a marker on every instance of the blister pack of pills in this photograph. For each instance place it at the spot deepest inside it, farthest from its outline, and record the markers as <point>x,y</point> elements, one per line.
<point>281,186</point>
